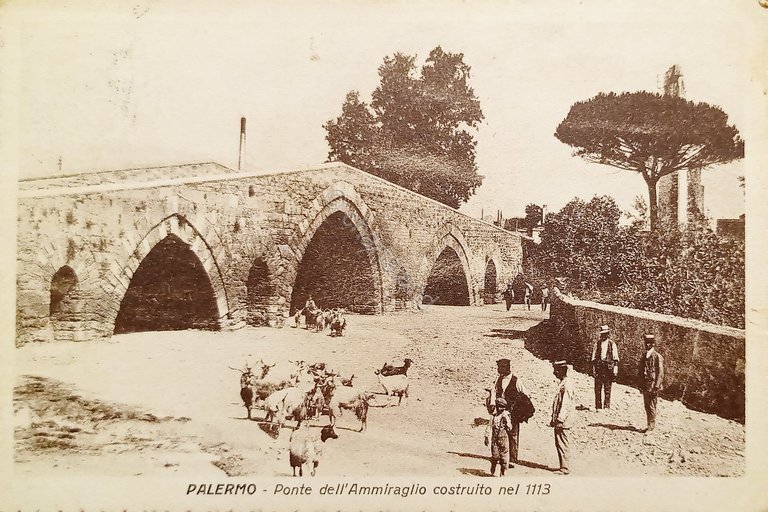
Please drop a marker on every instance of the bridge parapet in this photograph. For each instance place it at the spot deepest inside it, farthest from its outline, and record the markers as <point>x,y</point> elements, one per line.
<point>704,363</point>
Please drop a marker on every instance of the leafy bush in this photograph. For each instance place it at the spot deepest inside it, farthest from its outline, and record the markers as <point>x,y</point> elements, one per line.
<point>691,273</point>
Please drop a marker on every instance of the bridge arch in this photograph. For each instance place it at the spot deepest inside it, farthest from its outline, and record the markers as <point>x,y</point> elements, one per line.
<point>178,254</point>
<point>449,272</point>
<point>493,276</point>
<point>335,245</point>
<point>490,282</point>
<point>56,290</point>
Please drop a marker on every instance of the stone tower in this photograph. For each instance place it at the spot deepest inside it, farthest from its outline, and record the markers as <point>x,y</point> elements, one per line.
<point>680,194</point>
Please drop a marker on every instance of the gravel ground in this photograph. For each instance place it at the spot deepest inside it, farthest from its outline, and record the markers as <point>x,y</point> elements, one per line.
<point>160,403</point>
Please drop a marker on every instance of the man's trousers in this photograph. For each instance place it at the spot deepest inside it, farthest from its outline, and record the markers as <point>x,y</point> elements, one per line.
<point>650,398</point>
<point>561,445</point>
<point>603,381</point>
<point>514,442</point>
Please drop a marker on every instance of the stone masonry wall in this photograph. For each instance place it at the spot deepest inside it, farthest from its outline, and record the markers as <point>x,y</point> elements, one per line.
<point>103,228</point>
<point>704,363</point>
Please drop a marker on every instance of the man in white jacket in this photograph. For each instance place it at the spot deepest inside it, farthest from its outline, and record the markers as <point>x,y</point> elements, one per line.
<point>562,405</point>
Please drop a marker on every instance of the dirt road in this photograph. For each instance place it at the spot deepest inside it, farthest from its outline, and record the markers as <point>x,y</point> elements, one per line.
<point>162,403</point>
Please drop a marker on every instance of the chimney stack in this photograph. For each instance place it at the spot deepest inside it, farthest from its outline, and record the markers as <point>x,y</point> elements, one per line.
<point>241,158</point>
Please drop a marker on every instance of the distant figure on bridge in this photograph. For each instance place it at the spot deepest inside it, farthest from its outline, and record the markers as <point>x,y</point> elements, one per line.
<point>511,389</point>
<point>544,297</point>
<point>605,367</point>
<point>652,376</point>
<point>528,295</point>
<point>562,405</point>
<point>509,296</point>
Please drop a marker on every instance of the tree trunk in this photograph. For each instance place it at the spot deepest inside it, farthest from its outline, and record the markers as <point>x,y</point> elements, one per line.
<point>653,206</point>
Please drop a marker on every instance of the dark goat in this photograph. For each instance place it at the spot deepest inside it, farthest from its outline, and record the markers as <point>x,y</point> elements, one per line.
<point>388,370</point>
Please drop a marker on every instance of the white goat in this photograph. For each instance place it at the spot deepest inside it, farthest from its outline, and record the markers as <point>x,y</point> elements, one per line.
<point>396,385</point>
<point>349,398</point>
<point>306,447</point>
<point>292,402</point>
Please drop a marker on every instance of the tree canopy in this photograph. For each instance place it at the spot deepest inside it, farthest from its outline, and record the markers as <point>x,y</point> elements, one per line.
<point>651,134</point>
<point>692,273</point>
<point>416,131</point>
<point>585,243</point>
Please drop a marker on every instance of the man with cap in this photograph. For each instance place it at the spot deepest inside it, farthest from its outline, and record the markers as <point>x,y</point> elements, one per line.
<point>562,405</point>
<point>605,367</point>
<point>652,376</point>
<point>511,389</point>
<point>497,436</point>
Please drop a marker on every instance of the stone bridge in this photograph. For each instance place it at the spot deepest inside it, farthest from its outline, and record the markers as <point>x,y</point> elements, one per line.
<point>203,246</point>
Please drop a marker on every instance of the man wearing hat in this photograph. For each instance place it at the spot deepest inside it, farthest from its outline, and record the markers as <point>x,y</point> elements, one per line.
<point>652,375</point>
<point>511,389</point>
<point>605,367</point>
<point>562,406</point>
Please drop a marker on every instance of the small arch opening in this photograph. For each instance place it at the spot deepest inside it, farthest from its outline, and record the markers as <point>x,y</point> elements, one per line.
<point>260,293</point>
<point>63,283</point>
<point>491,283</point>
<point>406,289</point>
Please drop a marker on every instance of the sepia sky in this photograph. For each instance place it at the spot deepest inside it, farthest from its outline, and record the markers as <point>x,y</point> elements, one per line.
<point>150,83</point>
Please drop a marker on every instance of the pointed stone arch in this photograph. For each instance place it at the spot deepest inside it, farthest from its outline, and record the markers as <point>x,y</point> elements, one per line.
<point>63,283</point>
<point>490,282</point>
<point>339,202</point>
<point>493,257</point>
<point>181,228</point>
<point>261,291</point>
<point>450,237</point>
<point>69,320</point>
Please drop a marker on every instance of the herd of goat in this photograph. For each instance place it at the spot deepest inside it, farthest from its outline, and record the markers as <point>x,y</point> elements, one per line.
<point>320,319</point>
<point>300,391</point>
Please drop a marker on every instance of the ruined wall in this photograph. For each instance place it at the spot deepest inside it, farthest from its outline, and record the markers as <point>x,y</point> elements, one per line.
<point>667,199</point>
<point>704,363</point>
<point>250,234</point>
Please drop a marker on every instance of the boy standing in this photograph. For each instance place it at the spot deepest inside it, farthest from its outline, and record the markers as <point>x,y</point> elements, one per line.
<point>499,428</point>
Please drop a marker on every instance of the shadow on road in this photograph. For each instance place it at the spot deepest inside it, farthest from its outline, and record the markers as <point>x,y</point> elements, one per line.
<point>507,334</point>
<point>351,429</point>
<point>471,455</point>
<point>628,428</point>
<point>534,465</point>
<point>474,472</point>
<point>271,429</point>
